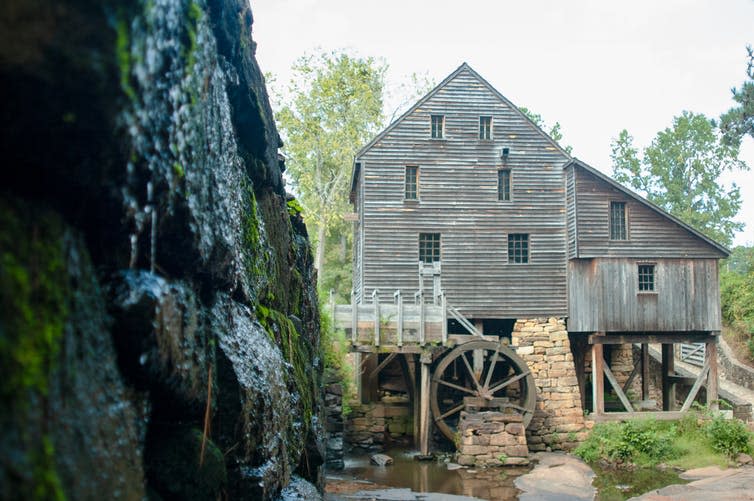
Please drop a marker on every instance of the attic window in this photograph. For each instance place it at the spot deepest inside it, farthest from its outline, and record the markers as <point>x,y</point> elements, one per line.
<point>618,221</point>
<point>646,278</point>
<point>485,127</point>
<point>438,126</point>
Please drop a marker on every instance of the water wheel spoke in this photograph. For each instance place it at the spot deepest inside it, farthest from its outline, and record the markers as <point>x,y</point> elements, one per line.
<point>471,372</point>
<point>447,413</point>
<point>510,381</point>
<point>492,367</point>
<point>455,386</point>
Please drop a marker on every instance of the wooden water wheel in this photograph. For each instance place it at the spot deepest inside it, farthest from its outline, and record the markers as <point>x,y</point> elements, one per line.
<point>486,371</point>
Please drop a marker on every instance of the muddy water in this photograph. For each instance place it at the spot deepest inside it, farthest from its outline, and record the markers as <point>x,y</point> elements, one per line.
<point>428,476</point>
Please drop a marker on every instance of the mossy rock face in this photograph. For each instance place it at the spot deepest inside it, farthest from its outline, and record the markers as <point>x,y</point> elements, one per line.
<point>183,464</point>
<point>64,407</point>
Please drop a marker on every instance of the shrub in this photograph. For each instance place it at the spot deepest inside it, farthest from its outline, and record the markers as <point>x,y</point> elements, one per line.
<point>728,436</point>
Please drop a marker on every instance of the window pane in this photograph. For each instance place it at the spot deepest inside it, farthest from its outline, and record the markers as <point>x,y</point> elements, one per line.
<point>412,184</point>
<point>429,247</point>
<point>485,127</point>
<point>504,184</point>
<point>437,126</point>
<point>646,277</point>
<point>618,221</point>
<point>518,248</point>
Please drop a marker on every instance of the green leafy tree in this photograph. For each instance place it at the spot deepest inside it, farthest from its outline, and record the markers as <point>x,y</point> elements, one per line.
<point>739,121</point>
<point>554,132</point>
<point>680,171</point>
<point>332,108</point>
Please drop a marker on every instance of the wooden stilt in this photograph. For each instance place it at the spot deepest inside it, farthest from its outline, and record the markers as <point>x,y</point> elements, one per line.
<point>712,381</point>
<point>598,380</point>
<point>668,384</point>
<point>644,371</point>
<point>417,400</point>
<point>425,360</point>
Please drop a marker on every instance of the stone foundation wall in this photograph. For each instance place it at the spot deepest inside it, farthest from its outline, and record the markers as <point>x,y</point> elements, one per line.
<point>558,422</point>
<point>492,439</point>
<point>334,423</point>
<point>372,427</point>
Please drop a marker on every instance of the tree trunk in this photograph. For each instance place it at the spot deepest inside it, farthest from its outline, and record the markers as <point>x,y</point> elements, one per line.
<point>319,261</point>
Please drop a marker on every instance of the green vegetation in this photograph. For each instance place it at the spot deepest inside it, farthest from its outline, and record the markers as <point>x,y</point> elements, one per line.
<point>699,439</point>
<point>737,293</point>
<point>554,132</point>
<point>739,120</point>
<point>334,350</point>
<point>680,171</point>
<point>123,55</point>
<point>333,107</point>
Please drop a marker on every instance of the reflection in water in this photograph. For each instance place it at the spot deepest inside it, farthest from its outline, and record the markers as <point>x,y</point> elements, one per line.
<point>431,476</point>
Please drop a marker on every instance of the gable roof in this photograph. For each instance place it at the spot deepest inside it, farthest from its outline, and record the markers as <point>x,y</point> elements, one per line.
<point>635,196</point>
<point>464,67</point>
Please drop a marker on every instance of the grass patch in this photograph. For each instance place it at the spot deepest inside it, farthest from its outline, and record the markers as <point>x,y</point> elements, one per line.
<point>700,439</point>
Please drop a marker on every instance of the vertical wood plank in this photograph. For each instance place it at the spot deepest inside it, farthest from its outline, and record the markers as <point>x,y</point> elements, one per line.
<point>445,318</point>
<point>354,319</point>
<point>424,413</point>
<point>668,386</point>
<point>416,403</point>
<point>598,380</point>
<point>712,377</point>
<point>376,303</point>
<point>399,305</point>
<point>644,371</point>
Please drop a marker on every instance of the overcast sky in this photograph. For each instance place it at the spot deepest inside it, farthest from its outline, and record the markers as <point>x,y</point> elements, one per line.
<point>595,66</point>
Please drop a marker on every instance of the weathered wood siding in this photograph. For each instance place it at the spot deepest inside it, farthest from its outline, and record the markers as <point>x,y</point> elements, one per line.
<point>358,246</point>
<point>604,296</point>
<point>570,176</point>
<point>458,199</point>
<point>650,234</point>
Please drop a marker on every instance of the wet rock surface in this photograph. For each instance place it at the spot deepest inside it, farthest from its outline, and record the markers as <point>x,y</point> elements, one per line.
<point>557,476</point>
<point>708,483</point>
<point>159,331</point>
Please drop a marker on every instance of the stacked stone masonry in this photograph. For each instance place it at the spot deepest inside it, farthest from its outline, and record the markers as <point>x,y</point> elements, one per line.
<point>492,439</point>
<point>558,422</point>
<point>334,424</point>
<point>373,427</point>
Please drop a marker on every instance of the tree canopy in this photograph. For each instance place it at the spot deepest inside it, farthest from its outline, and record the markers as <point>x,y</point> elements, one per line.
<point>332,108</point>
<point>680,171</point>
<point>739,120</point>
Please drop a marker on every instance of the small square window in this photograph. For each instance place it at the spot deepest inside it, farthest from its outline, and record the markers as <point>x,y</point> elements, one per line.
<point>485,127</point>
<point>518,248</point>
<point>429,247</point>
<point>438,126</point>
<point>646,278</point>
<point>618,221</point>
<point>504,185</point>
<point>411,182</point>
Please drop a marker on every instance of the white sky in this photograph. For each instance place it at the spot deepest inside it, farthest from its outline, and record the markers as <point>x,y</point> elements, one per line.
<point>595,66</point>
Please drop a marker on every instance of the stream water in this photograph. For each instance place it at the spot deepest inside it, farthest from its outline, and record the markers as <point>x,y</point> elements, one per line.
<point>423,476</point>
<point>406,478</point>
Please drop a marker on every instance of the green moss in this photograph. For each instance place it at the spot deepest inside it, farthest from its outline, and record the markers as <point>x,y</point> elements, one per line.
<point>178,169</point>
<point>33,312</point>
<point>294,207</point>
<point>193,15</point>
<point>46,481</point>
<point>123,56</point>
<point>33,291</point>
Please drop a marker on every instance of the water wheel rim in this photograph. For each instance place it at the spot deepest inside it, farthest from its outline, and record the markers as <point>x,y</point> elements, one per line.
<point>521,375</point>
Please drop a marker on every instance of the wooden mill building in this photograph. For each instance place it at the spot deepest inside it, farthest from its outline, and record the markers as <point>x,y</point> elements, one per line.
<point>467,195</point>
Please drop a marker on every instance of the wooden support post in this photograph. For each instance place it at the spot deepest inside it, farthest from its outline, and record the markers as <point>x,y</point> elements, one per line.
<point>399,306</point>
<point>712,392</point>
<point>370,385</point>
<point>598,380</point>
<point>422,319</point>
<point>376,304</point>
<point>354,319</point>
<point>478,355</point>
<point>426,360</point>
<point>668,384</point>
<point>417,400</point>
<point>357,356</point>
<point>444,301</point>
<point>644,371</point>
